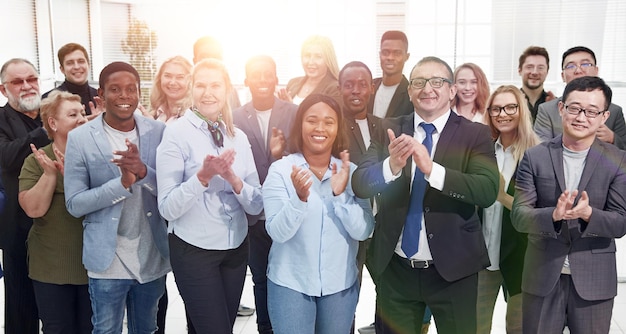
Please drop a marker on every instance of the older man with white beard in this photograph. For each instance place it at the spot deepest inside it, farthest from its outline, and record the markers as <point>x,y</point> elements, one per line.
<point>20,126</point>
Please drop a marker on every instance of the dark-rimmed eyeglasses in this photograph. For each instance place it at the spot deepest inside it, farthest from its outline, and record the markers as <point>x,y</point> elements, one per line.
<point>590,113</point>
<point>20,82</point>
<point>509,109</point>
<point>419,83</point>
<point>583,67</point>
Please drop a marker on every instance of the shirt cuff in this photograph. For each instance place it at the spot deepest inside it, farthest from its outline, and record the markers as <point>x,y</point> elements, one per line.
<point>437,176</point>
<point>387,174</point>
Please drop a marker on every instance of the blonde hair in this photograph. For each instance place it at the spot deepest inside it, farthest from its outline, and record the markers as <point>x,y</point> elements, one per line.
<point>50,106</point>
<point>214,64</point>
<point>482,89</point>
<point>157,96</point>
<point>328,52</point>
<point>526,137</point>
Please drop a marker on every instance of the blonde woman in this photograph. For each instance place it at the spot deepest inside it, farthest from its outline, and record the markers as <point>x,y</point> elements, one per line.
<point>509,119</point>
<point>171,93</point>
<point>321,72</point>
<point>207,184</point>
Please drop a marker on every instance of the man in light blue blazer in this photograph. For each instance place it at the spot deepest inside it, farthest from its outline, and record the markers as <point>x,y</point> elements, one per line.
<point>266,120</point>
<point>110,179</point>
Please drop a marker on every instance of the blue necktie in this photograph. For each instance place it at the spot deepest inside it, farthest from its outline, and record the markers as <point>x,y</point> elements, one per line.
<point>413,223</point>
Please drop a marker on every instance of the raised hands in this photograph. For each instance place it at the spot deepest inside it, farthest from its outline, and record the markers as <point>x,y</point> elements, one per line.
<point>284,95</point>
<point>278,143</point>
<point>49,166</point>
<point>301,179</point>
<point>565,208</point>
<point>220,165</point>
<point>96,108</point>
<point>400,148</point>
<point>339,178</point>
<point>130,164</point>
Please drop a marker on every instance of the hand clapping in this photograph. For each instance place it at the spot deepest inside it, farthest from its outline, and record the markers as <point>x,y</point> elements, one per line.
<point>130,164</point>
<point>339,180</point>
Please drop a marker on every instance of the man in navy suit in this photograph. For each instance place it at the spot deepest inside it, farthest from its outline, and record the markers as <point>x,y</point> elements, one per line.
<point>569,198</point>
<point>428,247</point>
<point>267,122</point>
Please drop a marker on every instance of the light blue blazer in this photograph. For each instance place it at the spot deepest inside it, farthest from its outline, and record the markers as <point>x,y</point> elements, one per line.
<point>93,188</point>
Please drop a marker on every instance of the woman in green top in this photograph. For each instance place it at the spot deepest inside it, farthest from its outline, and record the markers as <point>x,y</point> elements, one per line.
<point>55,240</point>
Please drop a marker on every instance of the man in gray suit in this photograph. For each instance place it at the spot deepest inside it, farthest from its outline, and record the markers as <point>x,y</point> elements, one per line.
<point>569,199</point>
<point>267,122</point>
<point>577,62</point>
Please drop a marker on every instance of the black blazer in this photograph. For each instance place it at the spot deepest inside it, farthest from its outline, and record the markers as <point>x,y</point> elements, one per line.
<point>400,104</point>
<point>15,140</point>
<point>357,146</point>
<point>453,228</point>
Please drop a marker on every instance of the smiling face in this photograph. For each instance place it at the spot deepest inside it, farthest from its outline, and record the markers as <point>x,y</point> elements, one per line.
<point>121,97</point>
<point>356,88</point>
<point>69,115</point>
<point>209,92</point>
<point>393,54</point>
<point>430,102</point>
<point>534,71</point>
<point>174,81</point>
<point>21,87</point>
<point>577,128</point>
<point>466,85</point>
<point>261,80</point>
<point>313,62</point>
<point>75,67</point>
<point>319,129</point>
<point>504,123</point>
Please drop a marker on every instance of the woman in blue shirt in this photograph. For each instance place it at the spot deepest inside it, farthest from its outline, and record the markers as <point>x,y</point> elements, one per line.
<point>207,183</point>
<point>315,222</point>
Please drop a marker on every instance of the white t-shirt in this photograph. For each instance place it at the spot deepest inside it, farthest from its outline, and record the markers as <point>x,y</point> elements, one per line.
<point>382,99</point>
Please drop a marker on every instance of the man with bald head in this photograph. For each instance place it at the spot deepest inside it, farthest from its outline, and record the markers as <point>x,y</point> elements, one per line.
<point>20,126</point>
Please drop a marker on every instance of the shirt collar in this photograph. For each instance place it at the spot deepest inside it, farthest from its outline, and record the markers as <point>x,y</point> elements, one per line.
<point>439,122</point>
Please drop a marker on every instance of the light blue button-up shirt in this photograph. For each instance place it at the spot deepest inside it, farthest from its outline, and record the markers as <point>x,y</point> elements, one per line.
<point>212,217</point>
<point>315,242</point>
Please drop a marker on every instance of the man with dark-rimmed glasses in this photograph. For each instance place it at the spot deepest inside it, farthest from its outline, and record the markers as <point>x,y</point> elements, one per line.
<point>569,200</point>
<point>577,62</point>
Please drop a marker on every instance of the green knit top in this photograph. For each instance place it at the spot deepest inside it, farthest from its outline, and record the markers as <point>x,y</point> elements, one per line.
<point>55,241</point>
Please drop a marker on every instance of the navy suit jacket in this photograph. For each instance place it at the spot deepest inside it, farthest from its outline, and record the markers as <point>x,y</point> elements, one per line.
<point>282,118</point>
<point>590,246</point>
<point>400,104</point>
<point>453,227</point>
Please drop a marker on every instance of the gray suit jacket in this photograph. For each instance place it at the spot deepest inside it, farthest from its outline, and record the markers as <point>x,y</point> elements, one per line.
<point>282,118</point>
<point>590,246</point>
<point>93,188</point>
<point>548,122</point>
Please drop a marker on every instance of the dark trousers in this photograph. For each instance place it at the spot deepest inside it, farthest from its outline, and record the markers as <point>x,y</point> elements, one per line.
<point>210,283</point>
<point>260,243</point>
<point>63,308</point>
<point>20,307</point>
<point>162,312</point>
<point>403,294</point>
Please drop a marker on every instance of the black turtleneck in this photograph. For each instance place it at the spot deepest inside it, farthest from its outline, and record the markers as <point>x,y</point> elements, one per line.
<point>86,93</point>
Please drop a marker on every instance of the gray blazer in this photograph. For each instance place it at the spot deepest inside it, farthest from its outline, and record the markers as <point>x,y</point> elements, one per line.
<point>93,189</point>
<point>590,246</point>
<point>282,118</point>
<point>548,122</point>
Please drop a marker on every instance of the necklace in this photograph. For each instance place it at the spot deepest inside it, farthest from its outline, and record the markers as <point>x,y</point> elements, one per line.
<point>318,172</point>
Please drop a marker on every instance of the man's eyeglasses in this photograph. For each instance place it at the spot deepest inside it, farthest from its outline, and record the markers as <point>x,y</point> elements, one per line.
<point>419,83</point>
<point>590,113</point>
<point>20,82</point>
<point>509,109</point>
<point>583,67</point>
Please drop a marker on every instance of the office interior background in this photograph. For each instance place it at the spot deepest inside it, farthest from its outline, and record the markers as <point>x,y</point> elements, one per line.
<point>490,33</point>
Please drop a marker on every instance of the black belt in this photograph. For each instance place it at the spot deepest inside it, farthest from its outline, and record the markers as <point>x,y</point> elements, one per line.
<point>415,264</point>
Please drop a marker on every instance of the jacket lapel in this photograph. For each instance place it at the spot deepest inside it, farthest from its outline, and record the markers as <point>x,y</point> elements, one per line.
<point>103,146</point>
<point>556,156</point>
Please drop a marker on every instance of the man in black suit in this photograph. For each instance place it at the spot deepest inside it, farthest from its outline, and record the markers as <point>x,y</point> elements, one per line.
<point>428,246</point>
<point>390,98</point>
<point>20,126</point>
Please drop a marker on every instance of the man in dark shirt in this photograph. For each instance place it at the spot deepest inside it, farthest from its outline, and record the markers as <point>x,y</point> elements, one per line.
<point>533,67</point>
<point>20,126</point>
<point>74,62</point>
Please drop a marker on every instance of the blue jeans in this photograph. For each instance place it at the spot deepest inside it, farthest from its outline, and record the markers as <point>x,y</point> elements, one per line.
<point>294,312</point>
<point>109,296</point>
